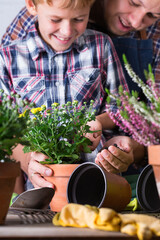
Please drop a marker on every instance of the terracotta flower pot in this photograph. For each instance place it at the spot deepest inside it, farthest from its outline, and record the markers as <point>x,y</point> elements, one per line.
<point>90,184</point>
<point>8,173</point>
<point>61,175</point>
<point>154,155</point>
<point>154,160</point>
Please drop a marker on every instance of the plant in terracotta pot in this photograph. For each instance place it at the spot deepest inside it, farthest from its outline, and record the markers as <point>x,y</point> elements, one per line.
<point>12,128</point>
<point>138,118</point>
<point>59,133</point>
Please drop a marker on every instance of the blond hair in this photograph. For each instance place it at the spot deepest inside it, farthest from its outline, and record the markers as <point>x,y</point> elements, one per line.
<point>75,4</point>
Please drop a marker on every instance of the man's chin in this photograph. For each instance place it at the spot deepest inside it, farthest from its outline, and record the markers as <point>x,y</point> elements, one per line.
<point>121,33</point>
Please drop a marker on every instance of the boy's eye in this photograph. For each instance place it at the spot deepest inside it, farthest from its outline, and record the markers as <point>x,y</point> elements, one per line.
<point>78,19</point>
<point>150,15</point>
<point>133,3</point>
<point>55,20</point>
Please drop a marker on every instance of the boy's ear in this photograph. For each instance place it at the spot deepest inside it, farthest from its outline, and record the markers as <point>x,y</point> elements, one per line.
<point>31,7</point>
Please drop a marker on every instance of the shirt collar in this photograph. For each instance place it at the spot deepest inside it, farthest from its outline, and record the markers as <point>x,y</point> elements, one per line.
<point>81,43</point>
<point>36,45</point>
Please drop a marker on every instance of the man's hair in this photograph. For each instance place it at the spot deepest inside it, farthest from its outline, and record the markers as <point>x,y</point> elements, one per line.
<point>75,4</point>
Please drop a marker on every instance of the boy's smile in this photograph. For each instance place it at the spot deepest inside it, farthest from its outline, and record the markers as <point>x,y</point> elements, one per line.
<point>59,27</point>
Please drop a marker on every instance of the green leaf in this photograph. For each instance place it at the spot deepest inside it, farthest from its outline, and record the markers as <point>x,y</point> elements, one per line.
<point>124,114</point>
<point>108,99</point>
<point>124,59</point>
<point>120,89</point>
<point>26,149</point>
<point>118,101</point>
<point>107,91</point>
<point>135,94</point>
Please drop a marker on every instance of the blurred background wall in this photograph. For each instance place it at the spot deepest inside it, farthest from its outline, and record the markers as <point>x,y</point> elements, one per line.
<point>8,10</point>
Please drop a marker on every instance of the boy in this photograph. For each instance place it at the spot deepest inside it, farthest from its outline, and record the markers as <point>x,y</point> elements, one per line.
<point>58,61</point>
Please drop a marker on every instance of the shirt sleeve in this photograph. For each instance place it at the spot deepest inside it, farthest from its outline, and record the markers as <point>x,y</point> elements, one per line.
<point>19,27</point>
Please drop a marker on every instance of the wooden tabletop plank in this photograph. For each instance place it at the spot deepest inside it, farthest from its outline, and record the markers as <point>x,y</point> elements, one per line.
<point>14,228</point>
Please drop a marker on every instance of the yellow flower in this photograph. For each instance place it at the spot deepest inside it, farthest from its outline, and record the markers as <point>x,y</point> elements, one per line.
<point>36,110</point>
<point>22,114</point>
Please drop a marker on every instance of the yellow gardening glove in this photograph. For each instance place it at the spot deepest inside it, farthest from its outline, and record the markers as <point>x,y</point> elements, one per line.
<point>142,225</point>
<point>155,227</point>
<point>108,220</point>
<point>140,230</point>
<point>76,215</point>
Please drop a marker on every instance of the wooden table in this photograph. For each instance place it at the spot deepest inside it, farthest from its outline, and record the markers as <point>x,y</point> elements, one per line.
<point>15,228</point>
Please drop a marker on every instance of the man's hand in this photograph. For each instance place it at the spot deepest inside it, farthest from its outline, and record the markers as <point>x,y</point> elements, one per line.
<point>116,159</point>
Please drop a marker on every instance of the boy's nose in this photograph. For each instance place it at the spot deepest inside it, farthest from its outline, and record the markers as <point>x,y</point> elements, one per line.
<point>136,19</point>
<point>67,29</point>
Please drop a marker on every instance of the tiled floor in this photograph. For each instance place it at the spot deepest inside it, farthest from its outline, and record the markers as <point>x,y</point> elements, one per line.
<point>8,10</point>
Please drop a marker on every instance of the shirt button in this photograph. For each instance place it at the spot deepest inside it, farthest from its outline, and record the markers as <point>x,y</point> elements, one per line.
<point>56,59</point>
<point>57,84</point>
<point>28,87</point>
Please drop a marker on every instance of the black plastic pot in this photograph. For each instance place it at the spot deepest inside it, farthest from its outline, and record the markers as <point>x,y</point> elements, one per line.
<point>90,184</point>
<point>147,194</point>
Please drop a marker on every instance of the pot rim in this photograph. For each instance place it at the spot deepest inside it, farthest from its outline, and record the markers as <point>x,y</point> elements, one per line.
<point>82,168</point>
<point>141,189</point>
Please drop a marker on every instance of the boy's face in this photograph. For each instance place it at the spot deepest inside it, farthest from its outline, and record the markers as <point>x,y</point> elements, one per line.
<point>60,27</point>
<point>123,16</point>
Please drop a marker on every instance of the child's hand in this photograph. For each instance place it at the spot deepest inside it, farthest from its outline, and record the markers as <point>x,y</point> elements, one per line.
<point>94,137</point>
<point>37,171</point>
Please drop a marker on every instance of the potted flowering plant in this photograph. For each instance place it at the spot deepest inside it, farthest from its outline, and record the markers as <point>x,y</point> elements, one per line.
<point>59,133</point>
<point>12,128</point>
<point>140,119</point>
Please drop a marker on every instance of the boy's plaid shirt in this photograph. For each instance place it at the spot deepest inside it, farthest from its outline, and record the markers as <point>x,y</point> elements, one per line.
<point>31,68</point>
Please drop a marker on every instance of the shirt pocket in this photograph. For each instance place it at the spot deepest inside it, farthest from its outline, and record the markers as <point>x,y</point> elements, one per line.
<point>31,88</point>
<point>85,85</point>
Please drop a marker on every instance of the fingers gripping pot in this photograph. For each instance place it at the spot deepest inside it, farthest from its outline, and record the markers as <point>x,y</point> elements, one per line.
<point>90,184</point>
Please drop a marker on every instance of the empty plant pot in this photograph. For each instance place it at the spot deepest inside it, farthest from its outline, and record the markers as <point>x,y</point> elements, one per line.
<point>90,184</point>
<point>147,193</point>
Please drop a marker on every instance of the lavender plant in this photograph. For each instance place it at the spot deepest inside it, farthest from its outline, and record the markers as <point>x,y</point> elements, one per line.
<point>59,132</point>
<point>138,118</point>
